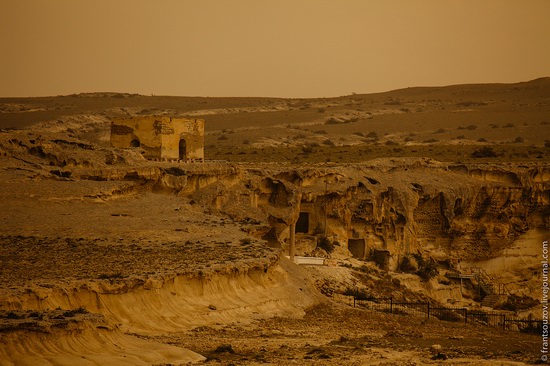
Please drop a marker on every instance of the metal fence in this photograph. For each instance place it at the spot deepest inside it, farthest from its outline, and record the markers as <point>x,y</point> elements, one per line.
<point>426,310</point>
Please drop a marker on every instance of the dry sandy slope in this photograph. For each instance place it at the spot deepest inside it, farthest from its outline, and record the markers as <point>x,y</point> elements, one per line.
<point>85,345</point>
<point>150,263</point>
<point>154,307</point>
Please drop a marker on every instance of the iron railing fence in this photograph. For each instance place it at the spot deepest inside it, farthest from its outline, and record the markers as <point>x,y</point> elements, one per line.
<point>498,320</point>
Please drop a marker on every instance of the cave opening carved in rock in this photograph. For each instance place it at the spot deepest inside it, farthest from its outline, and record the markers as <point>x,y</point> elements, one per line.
<point>357,248</point>
<point>302,225</point>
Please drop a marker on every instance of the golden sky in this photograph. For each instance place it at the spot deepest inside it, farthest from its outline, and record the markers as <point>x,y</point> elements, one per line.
<point>280,48</point>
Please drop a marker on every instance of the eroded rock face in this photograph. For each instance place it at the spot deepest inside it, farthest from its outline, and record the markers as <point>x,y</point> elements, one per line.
<point>401,206</point>
<point>405,207</point>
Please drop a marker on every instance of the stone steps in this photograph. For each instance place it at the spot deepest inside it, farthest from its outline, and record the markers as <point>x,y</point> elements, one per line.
<point>493,300</point>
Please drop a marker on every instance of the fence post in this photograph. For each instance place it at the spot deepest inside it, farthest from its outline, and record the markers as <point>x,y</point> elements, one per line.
<point>353,300</point>
<point>391,305</point>
<point>428,310</point>
<point>504,322</point>
<point>465,315</point>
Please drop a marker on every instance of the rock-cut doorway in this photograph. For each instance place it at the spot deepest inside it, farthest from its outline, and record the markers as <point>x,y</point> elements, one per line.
<point>183,150</point>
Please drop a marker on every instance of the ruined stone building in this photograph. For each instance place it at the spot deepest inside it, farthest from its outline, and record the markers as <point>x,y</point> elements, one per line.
<point>161,137</point>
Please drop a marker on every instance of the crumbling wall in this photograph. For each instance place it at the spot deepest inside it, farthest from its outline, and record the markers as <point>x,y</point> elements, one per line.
<point>160,136</point>
<point>190,130</point>
<point>126,130</point>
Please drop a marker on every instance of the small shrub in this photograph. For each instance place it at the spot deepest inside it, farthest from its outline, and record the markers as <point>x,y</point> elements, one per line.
<point>321,110</point>
<point>429,141</point>
<point>325,244</point>
<point>72,313</point>
<point>484,152</point>
<point>246,142</point>
<point>321,132</point>
<point>12,315</point>
<point>306,150</point>
<point>518,303</point>
<point>409,264</point>
<point>391,143</point>
<point>470,104</point>
<point>471,127</point>
<point>105,276</point>
<point>246,241</point>
<point>519,140</point>
<point>224,348</point>
<point>481,140</point>
<point>509,125</point>
<point>358,294</point>
<point>223,137</point>
<point>328,142</point>
<point>392,101</point>
<point>372,135</point>
<point>461,137</point>
<point>427,268</point>
<point>441,130</point>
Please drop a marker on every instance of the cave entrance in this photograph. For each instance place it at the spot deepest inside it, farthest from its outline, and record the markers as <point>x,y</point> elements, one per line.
<point>135,143</point>
<point>357,248</point>
<point>302,225</point>
<point>271,238</point>
<point>183,150</point>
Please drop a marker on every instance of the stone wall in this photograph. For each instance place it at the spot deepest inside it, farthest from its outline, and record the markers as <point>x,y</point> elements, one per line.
<point>160,137</point>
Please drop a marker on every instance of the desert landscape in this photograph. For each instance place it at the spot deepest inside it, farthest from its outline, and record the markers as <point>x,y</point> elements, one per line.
<point>423,195</point>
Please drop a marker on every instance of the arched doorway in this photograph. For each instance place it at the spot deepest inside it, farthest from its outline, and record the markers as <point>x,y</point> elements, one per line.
<point>135,143</point>
<point>183,150</point>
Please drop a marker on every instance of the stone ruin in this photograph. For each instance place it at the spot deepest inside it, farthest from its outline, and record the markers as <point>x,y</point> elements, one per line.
<point>161,137</point>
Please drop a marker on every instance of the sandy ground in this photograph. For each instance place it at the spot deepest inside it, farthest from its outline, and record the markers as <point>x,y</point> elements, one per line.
<point>112,272</point>
<point>335,334</point>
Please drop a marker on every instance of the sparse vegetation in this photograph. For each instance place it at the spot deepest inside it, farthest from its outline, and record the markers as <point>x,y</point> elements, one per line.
<point>324,243</point>
<point>427,268</point>
<point>484,152</point>
<point>519,140</point>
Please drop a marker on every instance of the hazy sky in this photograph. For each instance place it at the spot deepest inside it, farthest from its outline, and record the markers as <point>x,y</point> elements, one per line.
<point>287,48</point>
